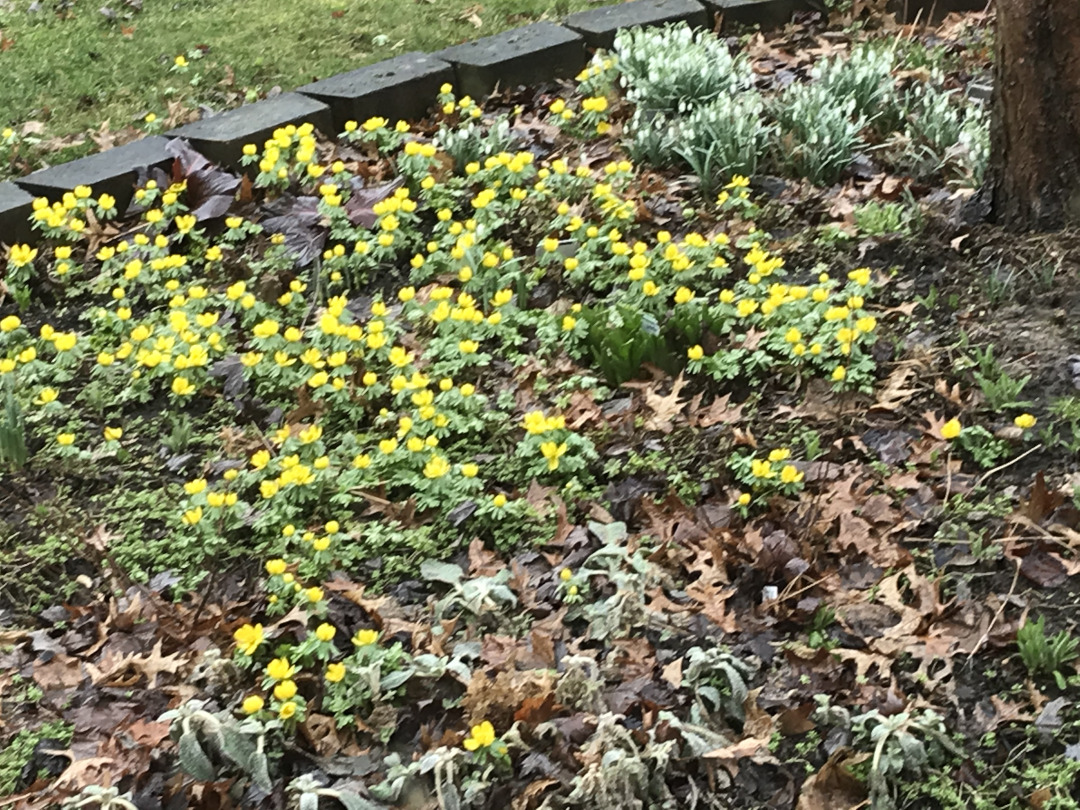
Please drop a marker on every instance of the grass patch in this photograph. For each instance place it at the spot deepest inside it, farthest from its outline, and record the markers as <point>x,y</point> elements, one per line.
<point>73,69</point>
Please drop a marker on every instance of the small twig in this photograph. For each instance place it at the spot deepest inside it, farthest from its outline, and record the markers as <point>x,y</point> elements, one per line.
<point>1006,465</point>
<point>997,614</point>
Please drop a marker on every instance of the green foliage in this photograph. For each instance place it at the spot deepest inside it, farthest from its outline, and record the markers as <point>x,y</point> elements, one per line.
<point>12,428</point>
<point>875,218</point>
<point>1001,390</point>
<point>984,448</point>
<point>1044,655</point>
<point>19,749</point>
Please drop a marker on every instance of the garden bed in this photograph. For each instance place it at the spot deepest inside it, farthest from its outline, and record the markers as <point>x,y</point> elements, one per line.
<point>659,439</point>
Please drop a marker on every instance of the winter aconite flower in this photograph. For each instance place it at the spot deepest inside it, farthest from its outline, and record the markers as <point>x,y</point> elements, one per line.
<point>1025,421</point>
<point>335,672</point>
<point>951,429</point>
<point>252,704</point>
<point>248,638</point>
<point>280,669</point>
<point>480,736</point>
<point>275,567</point>
<point>363,638</point>
<point>286,690</point>
<point>325,632</point>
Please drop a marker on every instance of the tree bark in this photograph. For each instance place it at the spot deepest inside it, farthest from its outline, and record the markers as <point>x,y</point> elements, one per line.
<point>1034,173</point>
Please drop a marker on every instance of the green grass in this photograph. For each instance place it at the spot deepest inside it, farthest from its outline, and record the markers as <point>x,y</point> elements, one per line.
<point>74,70</point>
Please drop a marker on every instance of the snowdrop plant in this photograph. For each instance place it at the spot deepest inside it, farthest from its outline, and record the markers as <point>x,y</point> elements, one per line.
<point>865,77</point>
<point>723,138</point>
<point>675,69</point>
<point>818,133</point>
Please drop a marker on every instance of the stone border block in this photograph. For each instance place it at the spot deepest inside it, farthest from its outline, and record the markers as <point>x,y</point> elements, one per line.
<point>113,171</point>
<point>531,54</point>
<point>398,89</point>
<point>599,25</point>
<point>221,138</point>
<point>16,206</point>
<point>765,13</point>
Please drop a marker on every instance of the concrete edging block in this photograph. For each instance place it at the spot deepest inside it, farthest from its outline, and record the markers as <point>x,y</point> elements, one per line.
<point>113,171</point>
<point>16,206</point>
<point>222,138</point>
<point>764,13</point>
<point>399,89</point>
<point>532,54</point>
<point>600,25</point>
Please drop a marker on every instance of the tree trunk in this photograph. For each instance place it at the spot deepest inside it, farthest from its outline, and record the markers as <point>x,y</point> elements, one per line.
<point>1034,173</point>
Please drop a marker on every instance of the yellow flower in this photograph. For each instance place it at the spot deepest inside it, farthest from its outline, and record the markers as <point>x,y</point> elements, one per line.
<point>280,669</point>
<point>248,638</point>
<point>566,574</point>
<point>860,276</point>
<point>64,341</point>
<point>760,468</point>
<point>436,467</point>
<point>265,329</point>
<point>314,594</point>
<point>113,434</point>
<point>47,395</point>
<point>553,452</point>
<point>275,567</point>
<point>335,672</point>
<point>480,736</point>
<point>499,501</point>
<point>287,710</point>
<point>195,487</point>
<point>695,352</point>
<point>325,632</point>
<point>779,454</point>
<point>839,373</point>
<point>192,516</point>
<point>790,475</point>
<point>183,387</point>
<point>951,429</point>
<point>10,323</point>
<point>65,439</point>
<point>286,690</point>
<point>252,704</point>
<point>1024,421</point>
<point>468,346</point>
<point>21,255</point>
<point>364,638</point>
<point>744,499</point>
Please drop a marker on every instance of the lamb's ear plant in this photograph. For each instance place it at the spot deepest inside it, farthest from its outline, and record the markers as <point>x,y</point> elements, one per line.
<point>718,681</point>
<point>203,737</point>
<point>309,792</point>
<point>101,798</point>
